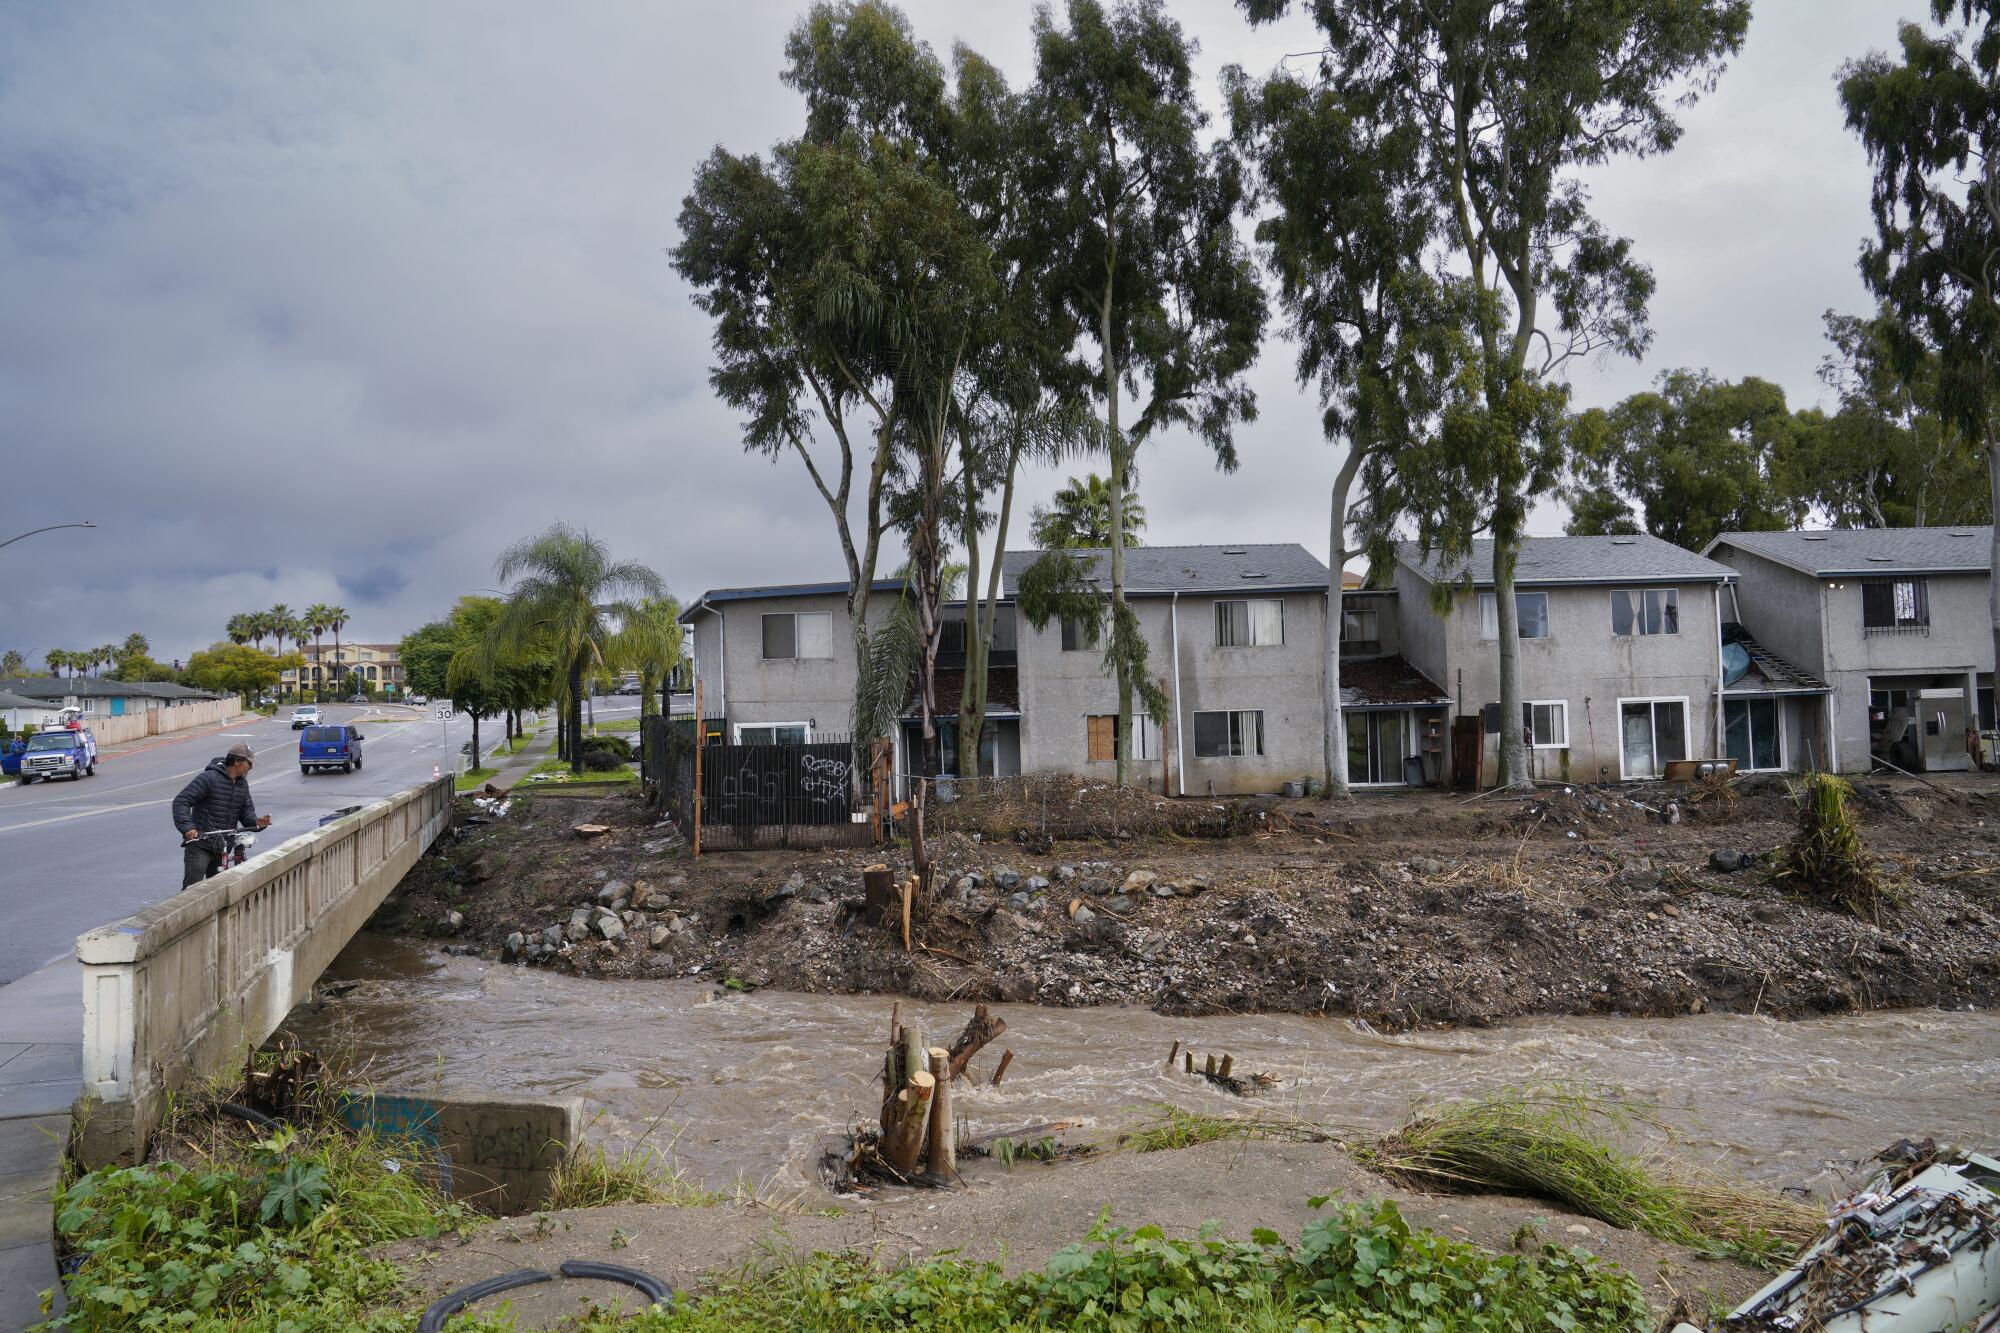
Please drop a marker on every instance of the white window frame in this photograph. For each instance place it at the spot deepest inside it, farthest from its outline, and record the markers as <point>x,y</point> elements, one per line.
<point>1784,752</point>
<point>1639,630</point>
<point>736,733</point>
<point>1539,744</point>
<point>1250,621</point>
<point>1687,728</point>
<point>796,617</point>
<point>1488,601</point>
<point>1233,713</point>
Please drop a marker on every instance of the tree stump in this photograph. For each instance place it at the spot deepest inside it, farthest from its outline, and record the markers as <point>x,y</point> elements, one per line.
<point>941,1147</point>
<point>878,890</point>
<point>903,1142</point>
<point>980,1029</point>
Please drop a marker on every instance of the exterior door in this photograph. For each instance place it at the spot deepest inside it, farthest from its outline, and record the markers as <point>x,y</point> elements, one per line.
<point>1750,733</point>
<point>1652,732</point>
<point>117,707</point>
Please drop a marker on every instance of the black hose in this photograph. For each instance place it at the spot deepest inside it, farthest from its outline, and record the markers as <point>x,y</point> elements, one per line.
<point>654,1290</point>
<point>446,1306</point>
<point>257,1118</point>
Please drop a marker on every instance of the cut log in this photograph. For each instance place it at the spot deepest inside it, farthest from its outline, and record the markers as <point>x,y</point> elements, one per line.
<point>909,893</point>
<point>980,1029</point>
<point>591,830</point>
<point>1209,1069</point>
<point>1173,1054</point>
<point>1006,1058</point>
<point>902,1145</point>
<point>1228,1063</point>
<point>878,890</point>
<point>941,1145</point>
<point>1187,1062</point>
<point>911,1059</point>
<point>895,1022</point>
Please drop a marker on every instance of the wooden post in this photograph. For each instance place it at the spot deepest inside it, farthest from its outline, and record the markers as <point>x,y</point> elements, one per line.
<point>700,736</point>
<point>1173,1054</point>
<point>909,892</point>
<point>1187,1062</point>
<point>1210,1067</point>
<point>941,1148</point>
<point>876,886</point>
<point>903,1142</point>
<point>1006,1058</point>
<point>895,1022</point>
<point>914,1056</point>
<point>1228,1063</point>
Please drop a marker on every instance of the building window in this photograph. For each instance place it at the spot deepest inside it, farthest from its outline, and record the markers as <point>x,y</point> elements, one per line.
<point>798,634</point>
<point>1250,624</point>
<point>1531,615</point>
<point>1078,634</point>
<point>951,636</point>
<point>1651,734</point>
<point>1645,611</point>
<point>1232,735</point>
<point>774,733</point>
<point>1547,723</point>
<point>1895,606</point>
<point>1101,736</point>
<point>1360,631</point>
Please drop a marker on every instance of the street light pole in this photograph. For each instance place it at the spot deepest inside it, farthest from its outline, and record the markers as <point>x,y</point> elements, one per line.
<point>50,528</point>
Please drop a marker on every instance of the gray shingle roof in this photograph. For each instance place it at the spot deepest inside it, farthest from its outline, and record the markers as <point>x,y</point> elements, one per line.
<point>44,688</point>
<point>1768,673</point>
<point>1861,551</point>
<point>1547,560</point>
<point>8,699</point>
<point>1153,571</point>
<point>775,591</point>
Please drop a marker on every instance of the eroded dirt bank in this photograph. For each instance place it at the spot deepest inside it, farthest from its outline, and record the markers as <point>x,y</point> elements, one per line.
<point>1402,910</point>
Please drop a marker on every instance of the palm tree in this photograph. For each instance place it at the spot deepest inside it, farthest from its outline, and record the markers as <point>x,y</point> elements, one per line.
<point>298,631</point>
<point>336,616</point>
<point>240,628</point>
<point>57,659</point>
<point>278,624</point>
<point>650,644</point>
<point>1080,516</point>
<point>258,623</point>
<point>569,595</point>
<point>12,664</point>
<point>104,655</point>
<point>318,617</point>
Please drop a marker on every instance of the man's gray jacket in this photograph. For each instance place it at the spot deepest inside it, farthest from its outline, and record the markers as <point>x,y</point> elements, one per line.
<point>214,800</point>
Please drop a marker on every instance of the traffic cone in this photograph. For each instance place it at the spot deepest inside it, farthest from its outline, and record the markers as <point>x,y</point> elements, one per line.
<point>436,773</point>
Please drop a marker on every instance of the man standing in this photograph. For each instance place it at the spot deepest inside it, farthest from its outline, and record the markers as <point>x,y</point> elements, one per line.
<point>218,799</point>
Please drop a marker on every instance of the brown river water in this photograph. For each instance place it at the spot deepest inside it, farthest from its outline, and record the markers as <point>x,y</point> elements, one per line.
<point>747,1088</point>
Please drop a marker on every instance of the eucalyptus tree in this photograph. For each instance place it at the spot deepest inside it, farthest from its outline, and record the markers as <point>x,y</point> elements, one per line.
<point>1930,122</point>
<point>569,597</point>
<point>1150,287</point>
<point>1512,100</point>
<point>1345,230</point>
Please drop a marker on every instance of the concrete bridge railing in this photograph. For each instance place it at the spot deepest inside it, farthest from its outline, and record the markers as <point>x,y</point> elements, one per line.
<point>182,991</point>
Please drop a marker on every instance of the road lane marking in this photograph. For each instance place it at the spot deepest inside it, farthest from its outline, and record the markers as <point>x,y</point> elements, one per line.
<point>80,814</point>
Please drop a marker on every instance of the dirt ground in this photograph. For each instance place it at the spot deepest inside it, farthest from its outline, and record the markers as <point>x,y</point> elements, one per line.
<point>1020,1217</point>
<point>1404,910</point>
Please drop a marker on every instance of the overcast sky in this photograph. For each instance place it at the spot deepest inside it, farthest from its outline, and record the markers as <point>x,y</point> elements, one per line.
<point>330,303</point>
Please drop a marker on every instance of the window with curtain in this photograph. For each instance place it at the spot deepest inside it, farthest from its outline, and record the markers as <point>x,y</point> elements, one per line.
<point>1231,735</point>
<point>1531,616</point>
<point>1637,611</point>
<point>1547,724</point>
<point>1360,631</point>
<point>1101,735</point>
<point>1257,623</point>
<point>1889,605</point>
<point>802,634</point>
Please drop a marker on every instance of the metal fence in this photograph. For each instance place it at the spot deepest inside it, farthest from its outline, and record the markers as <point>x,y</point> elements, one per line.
<point>754,796</point>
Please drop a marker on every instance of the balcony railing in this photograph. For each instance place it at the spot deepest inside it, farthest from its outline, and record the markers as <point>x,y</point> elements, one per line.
<point>1873,631</point>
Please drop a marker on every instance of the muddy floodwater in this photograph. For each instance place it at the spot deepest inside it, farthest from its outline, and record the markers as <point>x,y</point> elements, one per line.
<point>748,1087</point>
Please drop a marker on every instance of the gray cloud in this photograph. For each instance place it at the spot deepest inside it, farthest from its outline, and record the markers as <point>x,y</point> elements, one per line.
<point>329,304</point>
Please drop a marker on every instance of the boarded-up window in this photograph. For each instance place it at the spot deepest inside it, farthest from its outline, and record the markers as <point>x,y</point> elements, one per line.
<point>1103,737</point>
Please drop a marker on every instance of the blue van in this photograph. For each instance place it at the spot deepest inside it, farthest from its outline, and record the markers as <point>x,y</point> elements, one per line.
<point>329,747</point>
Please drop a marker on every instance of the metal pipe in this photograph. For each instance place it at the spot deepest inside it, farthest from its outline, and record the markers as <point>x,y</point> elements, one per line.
<point>1180,735</point>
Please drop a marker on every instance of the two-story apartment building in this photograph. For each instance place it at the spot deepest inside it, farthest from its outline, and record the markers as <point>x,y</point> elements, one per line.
<point>333,669</point>
<point>1620,651</point>
<point>1235,636</point>
<point>1894,620</point>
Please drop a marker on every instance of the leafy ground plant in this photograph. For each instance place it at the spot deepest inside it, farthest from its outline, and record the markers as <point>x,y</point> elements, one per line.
<point>1826,860</point>
<point>266,1234</point>
<point>1358,1268</point>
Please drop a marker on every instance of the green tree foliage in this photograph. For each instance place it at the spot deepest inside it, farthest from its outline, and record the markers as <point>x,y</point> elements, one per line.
<point>1888,457</point>
<point>227,668</point>
<point>568,598</point>
<point>1345,229</point>
<point>1931,125</point>
<point>241,628</point>
<point>1147,271</point>
<point>1702,456</point>
<point>12,663</point>
<point>1079,515</point>
<point>1511,105</point>
<point>650,644</point>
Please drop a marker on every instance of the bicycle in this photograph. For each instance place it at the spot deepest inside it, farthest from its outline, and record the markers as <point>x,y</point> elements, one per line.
<point>235,846</point>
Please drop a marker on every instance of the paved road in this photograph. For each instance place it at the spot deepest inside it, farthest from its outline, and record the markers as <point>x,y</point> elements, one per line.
<point>74,855</point>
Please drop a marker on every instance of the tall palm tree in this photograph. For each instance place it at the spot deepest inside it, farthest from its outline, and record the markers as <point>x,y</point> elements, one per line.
<point>57,659</point>
<point>1080,516</point>
<point>241,626</point>
<point>104,655</point>
<point>12,664</point>
<point>650,644</point>
<point>259,625</point>
<point>336,617</point>
<point>570,595</point>
<point>278,624</point>
<point>318,617</point>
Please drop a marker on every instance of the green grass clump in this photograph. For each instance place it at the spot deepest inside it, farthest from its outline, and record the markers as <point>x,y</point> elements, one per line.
<point>616,777</point>
<point>1357,1268</point>
<point>1554,1144</point>
<point>1172,1128</point>
<point>1826,860</point>
<point>595,1178</point>
<point>264,1235</point>
<point>472,779</point>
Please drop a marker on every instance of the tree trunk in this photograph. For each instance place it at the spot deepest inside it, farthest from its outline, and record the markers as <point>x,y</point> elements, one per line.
<point>575,715</point>
<point>1335,737</point>
<point>474,712</point>
<point>941,1146</point>
<point>1506,548</point>
<point>1119,463</point>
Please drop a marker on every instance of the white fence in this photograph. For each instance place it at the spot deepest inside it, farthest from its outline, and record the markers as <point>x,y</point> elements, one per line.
<point>184,989</point>
<point>116,730</point>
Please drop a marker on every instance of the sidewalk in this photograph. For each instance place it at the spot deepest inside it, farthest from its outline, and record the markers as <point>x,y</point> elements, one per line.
<point>41,1056</point>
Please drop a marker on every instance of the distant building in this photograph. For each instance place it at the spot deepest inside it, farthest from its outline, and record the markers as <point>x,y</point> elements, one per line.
<point>380,665</point>
<point>106,698</point>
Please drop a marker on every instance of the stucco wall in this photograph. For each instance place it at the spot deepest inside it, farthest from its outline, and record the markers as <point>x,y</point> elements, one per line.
<point>1779,606</point>
<point>1584,664</point>
<point>1059,690</point>
<point>754,689</point>
<point>1419,631</point>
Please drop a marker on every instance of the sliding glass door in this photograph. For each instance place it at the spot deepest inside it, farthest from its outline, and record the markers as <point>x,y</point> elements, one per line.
<point>1376,745</point>
<point>1750,733</point>
<point>1651,732</point>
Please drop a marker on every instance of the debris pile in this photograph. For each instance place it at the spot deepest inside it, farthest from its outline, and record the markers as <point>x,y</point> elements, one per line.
<point>1826,859</point>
